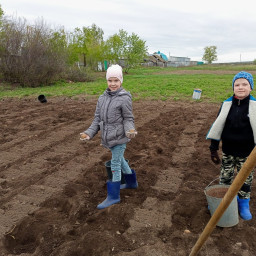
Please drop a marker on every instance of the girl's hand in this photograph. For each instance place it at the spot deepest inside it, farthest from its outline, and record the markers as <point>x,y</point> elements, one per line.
<point>84,136</point>
<point>215,156</point>
<point>131,133</point>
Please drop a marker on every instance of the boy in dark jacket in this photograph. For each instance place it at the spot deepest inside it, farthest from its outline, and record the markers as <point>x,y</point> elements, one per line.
<point>235,126</point>
<point>114,118</point>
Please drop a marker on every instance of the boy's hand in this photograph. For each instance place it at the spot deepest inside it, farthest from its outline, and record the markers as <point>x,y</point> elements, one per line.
<point>215,157</point>
<point>84,136</point>
<point>131,133</point>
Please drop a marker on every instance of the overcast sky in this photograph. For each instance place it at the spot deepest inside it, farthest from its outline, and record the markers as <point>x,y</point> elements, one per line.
<point>177,28</point>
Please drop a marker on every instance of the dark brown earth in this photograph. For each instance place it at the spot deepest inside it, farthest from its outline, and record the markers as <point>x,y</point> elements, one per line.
<point>51,183</point>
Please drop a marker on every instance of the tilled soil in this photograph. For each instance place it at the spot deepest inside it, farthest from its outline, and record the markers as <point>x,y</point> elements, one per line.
<point>51,183</point>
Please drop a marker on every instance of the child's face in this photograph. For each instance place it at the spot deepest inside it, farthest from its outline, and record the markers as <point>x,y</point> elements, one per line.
<point>113,83</point>
<point>242,88</point>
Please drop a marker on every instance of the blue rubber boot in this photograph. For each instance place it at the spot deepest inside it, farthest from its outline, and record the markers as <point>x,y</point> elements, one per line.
<point>131,181</point>
<point>113,196</point>
<point>243,208</point>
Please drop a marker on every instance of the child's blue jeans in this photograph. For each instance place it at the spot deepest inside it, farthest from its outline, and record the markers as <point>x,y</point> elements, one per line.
<point>118,162</point>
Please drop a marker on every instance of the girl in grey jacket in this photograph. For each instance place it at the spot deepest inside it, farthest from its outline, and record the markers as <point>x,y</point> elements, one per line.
<point>114,118</point>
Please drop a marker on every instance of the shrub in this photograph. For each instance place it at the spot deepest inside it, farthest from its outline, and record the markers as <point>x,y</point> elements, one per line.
<point>78,74</point>
<point>30,55</point>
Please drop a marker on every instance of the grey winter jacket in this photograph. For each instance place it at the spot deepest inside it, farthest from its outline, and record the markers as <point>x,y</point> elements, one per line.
<point>113,117</point>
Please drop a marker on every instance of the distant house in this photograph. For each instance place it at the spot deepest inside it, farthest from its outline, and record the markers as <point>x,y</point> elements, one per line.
<point>161,60</point>
<point>178,61</point>
<point>155,59</point>
<point>194,63</point>
<point>162,55</point>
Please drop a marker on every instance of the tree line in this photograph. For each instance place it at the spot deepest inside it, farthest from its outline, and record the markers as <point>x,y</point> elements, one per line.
<point>34,55</point>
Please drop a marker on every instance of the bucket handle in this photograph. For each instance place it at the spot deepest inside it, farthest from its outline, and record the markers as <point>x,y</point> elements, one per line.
<point>211,183</point>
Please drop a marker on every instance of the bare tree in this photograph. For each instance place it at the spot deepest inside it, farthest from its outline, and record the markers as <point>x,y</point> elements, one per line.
<point>31,54</point>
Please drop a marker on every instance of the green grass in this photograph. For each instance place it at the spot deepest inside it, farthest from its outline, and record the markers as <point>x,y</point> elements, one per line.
<point>147,83</point>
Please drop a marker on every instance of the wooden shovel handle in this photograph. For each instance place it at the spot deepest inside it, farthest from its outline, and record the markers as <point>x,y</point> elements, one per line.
<point>239,180</point>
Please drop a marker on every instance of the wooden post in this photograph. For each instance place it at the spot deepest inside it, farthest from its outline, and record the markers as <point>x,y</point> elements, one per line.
<point>239,180</point>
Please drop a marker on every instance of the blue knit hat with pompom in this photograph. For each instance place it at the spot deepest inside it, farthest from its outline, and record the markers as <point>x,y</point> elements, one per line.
<point>245,75</point>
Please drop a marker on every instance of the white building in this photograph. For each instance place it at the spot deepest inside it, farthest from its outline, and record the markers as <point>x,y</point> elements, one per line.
<point>178,61</point>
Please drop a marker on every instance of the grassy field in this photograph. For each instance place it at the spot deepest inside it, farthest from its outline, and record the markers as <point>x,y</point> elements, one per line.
<point>148,83</point>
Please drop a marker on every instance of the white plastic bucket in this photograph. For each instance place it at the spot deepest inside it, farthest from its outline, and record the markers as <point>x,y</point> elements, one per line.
<point>197,94</point>
<point>214,195</point>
